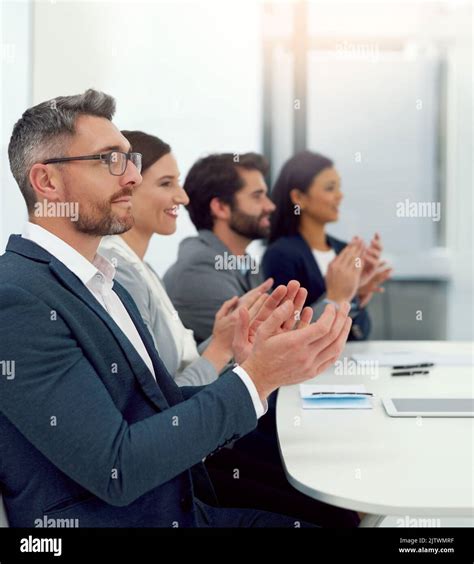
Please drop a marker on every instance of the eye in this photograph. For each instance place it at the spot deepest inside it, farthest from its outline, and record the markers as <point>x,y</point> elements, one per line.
<point>166,183</point>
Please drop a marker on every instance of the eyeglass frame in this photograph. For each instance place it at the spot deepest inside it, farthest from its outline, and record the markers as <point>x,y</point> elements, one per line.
<point>99,157</point>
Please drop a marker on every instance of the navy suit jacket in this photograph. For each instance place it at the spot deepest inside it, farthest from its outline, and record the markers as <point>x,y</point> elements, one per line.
<point>85,431</point>
<point>291,258</point>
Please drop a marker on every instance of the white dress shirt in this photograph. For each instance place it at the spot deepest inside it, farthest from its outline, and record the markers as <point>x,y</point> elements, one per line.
<point>98,278</point>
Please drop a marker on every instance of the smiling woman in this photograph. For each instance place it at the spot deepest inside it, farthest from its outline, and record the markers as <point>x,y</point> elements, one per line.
<point>156,204</point>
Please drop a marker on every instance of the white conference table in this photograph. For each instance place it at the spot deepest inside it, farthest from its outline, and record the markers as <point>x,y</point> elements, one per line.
<point>379,465</point>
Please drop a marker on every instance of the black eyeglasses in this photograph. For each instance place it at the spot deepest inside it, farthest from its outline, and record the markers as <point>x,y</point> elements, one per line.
<point>117,161</point>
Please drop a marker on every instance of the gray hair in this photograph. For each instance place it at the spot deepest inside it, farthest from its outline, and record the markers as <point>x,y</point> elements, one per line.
<point>43,131</point>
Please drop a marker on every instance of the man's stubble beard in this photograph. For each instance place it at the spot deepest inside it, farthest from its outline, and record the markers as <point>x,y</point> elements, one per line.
<point>248,225</point>
<point>100,220</point>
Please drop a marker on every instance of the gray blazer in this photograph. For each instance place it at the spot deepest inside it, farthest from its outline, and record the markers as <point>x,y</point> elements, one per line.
<point>198,287</point>
<point>173,341</point>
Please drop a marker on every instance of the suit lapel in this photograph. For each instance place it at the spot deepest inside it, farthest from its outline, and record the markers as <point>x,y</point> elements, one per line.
<point>137,364</point>
<point>164,394</point>
<point>165,381</point>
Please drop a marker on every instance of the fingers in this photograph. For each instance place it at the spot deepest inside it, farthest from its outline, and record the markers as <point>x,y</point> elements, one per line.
<point>376,243</point>
<point>320,328</point>
<point>371,256</point>
<point>292,289</point>
<point>332,351</point>
<point>273,323</point>
<point>336,327</point>
<point>251,299</point>
<point>354,250</point>
<point>305,318</point>
<point>379,276</point>
<point>276,297</point>
<point>365,300</point>
<point>227,307</point>
<point>360,249</point>
<point>241,332</point>
<point>265,286</point>
<point>299,301</point>
<point>252,295</point>
<point>255,308</point>
<point>320,368</point>
<point>384,269</point>
<point>382,275</point>
<point>271,303</point>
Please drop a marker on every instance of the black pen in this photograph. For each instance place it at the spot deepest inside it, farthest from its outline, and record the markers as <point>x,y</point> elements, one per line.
<point>411,373</point>
<point>408,366</point>
<point>342,393</point>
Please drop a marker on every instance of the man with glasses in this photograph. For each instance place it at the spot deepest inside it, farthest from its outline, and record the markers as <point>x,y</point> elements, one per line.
<point>92,426</point>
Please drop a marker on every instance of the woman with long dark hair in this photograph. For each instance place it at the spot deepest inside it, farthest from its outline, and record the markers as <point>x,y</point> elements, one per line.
<point>307,195</point>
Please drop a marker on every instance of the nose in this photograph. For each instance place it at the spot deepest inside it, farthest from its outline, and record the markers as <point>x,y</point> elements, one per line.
<point>181,197</point>
<point>269,206</point>
<point>131,177</point>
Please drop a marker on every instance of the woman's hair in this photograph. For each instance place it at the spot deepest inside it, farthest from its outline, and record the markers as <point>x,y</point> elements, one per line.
<point>298,172</point>
<point>152,148</point>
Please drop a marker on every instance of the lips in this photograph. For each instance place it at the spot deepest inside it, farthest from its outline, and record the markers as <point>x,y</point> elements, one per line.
<point>124,197</point>
<point>173,212</point>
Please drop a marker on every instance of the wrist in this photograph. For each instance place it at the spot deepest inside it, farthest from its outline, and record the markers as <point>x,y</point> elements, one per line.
<point>217,354</point>
<point>335,298</point>
<point>257,375</point>
<point>329,301</point>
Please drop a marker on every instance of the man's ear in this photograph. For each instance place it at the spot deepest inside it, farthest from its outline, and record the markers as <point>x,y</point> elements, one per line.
<point>219,209</point>
<point>46,182</point>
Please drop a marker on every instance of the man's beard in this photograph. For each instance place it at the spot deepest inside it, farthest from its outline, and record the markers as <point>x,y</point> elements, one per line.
<point>100,220</point>
<point>248,226</point>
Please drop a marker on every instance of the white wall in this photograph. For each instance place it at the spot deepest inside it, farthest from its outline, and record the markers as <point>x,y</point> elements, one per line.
<point>459,205</point>
<point>15,97</point>
<point>187,71</point>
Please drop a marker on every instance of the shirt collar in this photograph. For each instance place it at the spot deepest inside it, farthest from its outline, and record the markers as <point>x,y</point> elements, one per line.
<point>72,259</point>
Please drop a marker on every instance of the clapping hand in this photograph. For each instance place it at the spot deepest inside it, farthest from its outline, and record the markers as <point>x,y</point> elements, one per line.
<point>282,357</point>
<point>371,259</point>
<point>373,286</point>
<point>250,320</point>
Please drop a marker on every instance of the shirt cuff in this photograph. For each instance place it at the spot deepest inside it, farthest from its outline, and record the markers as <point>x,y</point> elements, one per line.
<point>260,408</point>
